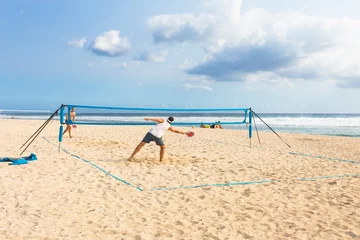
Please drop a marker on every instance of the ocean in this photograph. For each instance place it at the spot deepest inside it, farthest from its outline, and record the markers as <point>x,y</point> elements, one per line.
<point>303,123</point>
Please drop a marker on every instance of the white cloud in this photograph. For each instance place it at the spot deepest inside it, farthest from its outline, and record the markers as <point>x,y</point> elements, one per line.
<point>227,9</point>
<point>121,65</point>
<point>288,45</point>
<point>163,105</point>
<point>180,27</point>
<point>188,64</point>
<point>110,44</point>
<point>77,43</point>
<point>285,45</point>
<point>202,79</point>
<point>202,87</point>
<point>126,64</point>
<point>152,57</point>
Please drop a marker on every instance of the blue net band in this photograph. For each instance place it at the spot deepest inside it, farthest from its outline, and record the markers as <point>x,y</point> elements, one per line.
<point>246,114</point>
<point>162,109</point>
<point>150,123</point>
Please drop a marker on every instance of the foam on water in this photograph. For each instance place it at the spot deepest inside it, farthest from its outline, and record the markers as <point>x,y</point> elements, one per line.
<point>314,121</point>
<point>328,124</point>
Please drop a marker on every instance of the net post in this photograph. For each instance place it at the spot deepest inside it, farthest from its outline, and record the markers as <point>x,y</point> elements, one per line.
<point>250,125</point>
<point>61,125</point>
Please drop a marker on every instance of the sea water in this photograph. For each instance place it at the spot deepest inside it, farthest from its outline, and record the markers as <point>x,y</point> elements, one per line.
<point>304,123</point>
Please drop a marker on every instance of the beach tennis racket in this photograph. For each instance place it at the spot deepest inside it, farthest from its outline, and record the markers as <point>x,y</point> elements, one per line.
<point>190,134</point>
<point>74,126</point>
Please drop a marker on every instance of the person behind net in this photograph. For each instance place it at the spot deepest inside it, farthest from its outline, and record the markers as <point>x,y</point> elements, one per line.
<point>72,117</point>
<point>155,134</point>
<point>218,125</point>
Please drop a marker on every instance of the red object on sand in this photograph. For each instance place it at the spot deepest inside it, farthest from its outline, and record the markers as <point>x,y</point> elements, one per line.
<point>190,134</point>
<point>74,126</point>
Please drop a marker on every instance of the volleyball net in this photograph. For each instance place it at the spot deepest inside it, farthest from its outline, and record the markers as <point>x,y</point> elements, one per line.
<point>105,115</point>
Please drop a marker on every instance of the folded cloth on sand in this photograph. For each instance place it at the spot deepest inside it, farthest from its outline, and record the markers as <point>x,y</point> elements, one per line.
<point>20,160</point>
<point>31,157</point>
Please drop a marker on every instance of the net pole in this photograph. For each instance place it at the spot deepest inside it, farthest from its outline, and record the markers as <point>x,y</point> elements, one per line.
<point>61,126</point>
<point>250,125</point>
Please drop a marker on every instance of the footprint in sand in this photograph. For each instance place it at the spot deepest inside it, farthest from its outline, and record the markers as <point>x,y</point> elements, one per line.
<point>220,214</point>
<point>95,225</point>
<point>179,223</point>
<point>109,232</point>
<point>163,234</point>
<point>247,192</point>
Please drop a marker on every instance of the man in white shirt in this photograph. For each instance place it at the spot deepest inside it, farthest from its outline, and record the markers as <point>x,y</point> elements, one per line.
<point>156,133</point>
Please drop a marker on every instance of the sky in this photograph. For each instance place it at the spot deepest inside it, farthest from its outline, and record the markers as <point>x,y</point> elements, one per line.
<point>272,56</point>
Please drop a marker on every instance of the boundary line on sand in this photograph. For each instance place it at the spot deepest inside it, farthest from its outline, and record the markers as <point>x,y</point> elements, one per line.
<point>213,185</point>
<point>229,184</point>
<point>294,153</point>
<point>254,182</point>
<point>326,158</point>
<point>99,168</point>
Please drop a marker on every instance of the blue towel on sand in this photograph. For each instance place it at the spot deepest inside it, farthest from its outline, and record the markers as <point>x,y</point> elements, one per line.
<point>20,160</point>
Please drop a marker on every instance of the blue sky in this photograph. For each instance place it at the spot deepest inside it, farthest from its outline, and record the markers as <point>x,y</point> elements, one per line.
<point>273,56</point>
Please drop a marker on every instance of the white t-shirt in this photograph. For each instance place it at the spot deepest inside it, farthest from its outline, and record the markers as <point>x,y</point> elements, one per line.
<point>159,129</point>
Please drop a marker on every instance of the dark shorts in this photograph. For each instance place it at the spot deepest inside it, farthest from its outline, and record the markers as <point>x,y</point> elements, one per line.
<point>149,137</point>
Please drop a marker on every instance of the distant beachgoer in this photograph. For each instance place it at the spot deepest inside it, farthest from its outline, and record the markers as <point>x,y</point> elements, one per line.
<point>218,125</point>
<point>72,117</point>
<point>204,125</point>
<point>155,134</point>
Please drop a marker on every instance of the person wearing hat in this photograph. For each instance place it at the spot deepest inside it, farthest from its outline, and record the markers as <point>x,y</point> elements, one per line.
<point>155,134</point>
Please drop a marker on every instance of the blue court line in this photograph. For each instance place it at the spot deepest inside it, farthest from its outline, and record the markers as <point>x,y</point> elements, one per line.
<point>254,182</point>
<point>208,185</point>
<point>266,181</point>
<point>99,168</point>
<point>212,185</point>
<point>322,177</point>
<point>326,158</point>
<point>296,153</point>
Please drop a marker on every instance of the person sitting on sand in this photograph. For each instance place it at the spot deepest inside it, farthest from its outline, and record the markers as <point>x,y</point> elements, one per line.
<point>155,134</point>
<point>217,125</point>
<point>72,117</point>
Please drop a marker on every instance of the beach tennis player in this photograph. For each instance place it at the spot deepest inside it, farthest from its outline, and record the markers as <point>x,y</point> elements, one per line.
<point>155,134</point>
<point>72,117</point>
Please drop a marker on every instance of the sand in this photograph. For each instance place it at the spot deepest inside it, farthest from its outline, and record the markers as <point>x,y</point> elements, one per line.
<point>211,186</point>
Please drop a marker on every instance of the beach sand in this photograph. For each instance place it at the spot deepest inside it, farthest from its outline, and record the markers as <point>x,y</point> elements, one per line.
<point>92,192</point>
